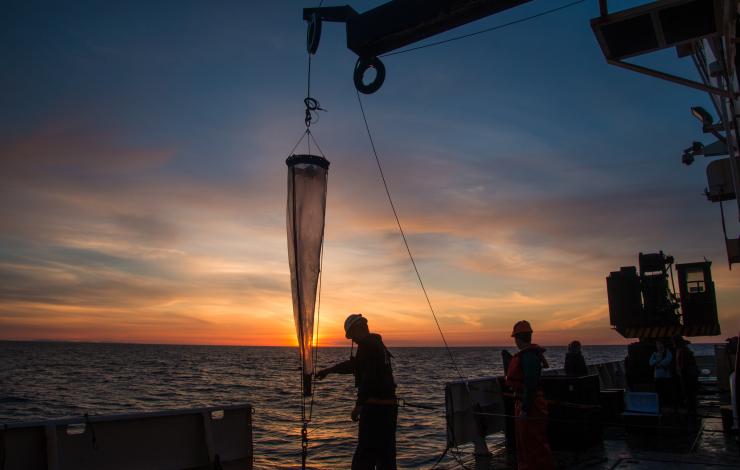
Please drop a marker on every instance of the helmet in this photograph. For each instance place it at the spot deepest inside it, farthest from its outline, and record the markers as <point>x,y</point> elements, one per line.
<point>522,326</point>
<point>350,321</point>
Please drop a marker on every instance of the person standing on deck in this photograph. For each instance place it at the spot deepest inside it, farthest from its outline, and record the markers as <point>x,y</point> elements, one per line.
<point>376,407</point>
<point>575,364</point>
<point>687,371</point>
<point>661,361</point>
<point>530,409</point>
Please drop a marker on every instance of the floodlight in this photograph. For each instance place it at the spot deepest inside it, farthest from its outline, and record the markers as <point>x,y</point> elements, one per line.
<point>702,115</point>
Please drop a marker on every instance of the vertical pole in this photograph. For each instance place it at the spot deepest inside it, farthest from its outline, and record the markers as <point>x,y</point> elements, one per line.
<point>208,435</point>
<point>52,447</point>
<point>737,383</point>
<point>603,8</point>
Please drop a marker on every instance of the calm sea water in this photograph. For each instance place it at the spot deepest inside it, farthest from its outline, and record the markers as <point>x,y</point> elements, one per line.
<point>41,381</point>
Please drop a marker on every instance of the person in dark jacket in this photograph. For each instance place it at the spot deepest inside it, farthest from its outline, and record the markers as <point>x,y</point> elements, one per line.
<point>662,363</point>
<point>687,371</point>
<point>376,407</point>
<point>575,365</point>
<point>530,409</point>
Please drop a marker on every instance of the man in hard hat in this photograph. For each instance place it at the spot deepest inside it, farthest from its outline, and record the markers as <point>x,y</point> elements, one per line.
<point>376,407</point>
<point>523,376</point>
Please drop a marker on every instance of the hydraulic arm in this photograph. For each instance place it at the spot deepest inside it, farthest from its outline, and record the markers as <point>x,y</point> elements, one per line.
<point>396,24</point>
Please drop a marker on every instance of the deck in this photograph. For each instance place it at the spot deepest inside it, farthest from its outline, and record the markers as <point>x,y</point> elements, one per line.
<point>676,443</point>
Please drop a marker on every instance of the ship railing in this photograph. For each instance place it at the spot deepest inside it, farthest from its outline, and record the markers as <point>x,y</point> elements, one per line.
<point>195,438</point>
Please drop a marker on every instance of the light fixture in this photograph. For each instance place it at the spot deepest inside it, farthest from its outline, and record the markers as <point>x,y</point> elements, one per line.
<point>697,148</point>
<point>703,116</point>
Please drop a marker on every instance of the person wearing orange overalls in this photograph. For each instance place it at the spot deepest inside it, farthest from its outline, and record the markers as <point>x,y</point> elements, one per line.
<point>530,423</point>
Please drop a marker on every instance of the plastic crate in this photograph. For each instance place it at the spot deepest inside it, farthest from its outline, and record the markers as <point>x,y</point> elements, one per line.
<point>641,403</point>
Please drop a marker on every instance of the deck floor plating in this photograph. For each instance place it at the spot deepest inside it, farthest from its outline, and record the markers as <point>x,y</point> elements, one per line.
<point>676,445</point>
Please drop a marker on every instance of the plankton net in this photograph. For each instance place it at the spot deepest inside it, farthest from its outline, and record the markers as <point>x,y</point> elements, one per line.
<point>307,181</point>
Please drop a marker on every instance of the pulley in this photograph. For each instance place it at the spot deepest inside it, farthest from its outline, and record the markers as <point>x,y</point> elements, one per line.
<point>362,66</point>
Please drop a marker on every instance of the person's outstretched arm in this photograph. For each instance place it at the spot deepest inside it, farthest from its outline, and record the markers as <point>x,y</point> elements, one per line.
<point>345,367</point>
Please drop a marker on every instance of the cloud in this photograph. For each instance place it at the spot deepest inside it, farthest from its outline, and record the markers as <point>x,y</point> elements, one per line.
<point>74,150</point>
<point>104,239</point>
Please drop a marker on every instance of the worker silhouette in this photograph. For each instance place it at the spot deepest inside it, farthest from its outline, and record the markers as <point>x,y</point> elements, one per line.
<point>688,373</point>
<point>575,364</point>
<point>662,362</point>
<point>530,409</point>
<point>376,407</point>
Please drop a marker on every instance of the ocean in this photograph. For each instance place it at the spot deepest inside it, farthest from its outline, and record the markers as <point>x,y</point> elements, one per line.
<point>48,380</point>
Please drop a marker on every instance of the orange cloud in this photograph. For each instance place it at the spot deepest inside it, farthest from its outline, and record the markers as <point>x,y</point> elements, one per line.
<point>147,256</point>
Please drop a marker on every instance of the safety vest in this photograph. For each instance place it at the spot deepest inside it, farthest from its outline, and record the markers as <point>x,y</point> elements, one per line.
<point>515,375</point>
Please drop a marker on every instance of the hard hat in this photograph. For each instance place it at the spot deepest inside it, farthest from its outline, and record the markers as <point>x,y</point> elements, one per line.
<point>522,326</point>
<point>351,320</point>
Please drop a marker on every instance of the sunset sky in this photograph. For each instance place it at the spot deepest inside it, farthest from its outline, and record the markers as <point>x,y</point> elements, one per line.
<point>142,177</point>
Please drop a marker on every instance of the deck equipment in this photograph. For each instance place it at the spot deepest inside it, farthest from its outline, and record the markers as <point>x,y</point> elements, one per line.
<point>645,305</point>
<point>705,31</point>
<point>393,25</point>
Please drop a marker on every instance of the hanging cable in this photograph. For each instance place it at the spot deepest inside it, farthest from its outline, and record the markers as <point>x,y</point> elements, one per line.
<point>487,30</point>
<point>413,262</point>
<point>405,241</point>
<point>303,136</point>
<point>312,104</point>
<point>311,115</point>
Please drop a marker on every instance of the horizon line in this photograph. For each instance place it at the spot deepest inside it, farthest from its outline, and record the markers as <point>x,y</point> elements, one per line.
<point>284,346</point>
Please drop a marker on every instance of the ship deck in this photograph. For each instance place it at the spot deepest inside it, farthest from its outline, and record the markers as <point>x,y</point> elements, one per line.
<point>676,442</point>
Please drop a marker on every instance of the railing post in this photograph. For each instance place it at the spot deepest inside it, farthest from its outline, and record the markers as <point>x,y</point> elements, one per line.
<point>52,447</point>
<point>736,384</point>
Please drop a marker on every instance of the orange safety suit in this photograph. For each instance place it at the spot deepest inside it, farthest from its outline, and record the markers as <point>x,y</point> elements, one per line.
<point>532,449</point>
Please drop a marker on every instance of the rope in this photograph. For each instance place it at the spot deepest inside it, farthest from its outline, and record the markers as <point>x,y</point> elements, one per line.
<point>311,113</point>
<point>405,404</point>
<point>303,136</point>
<point>405,241</point>
<point>447,449</point>
<point>487,30</point>
<point>698,435</point>
<point>319,149</point>
<point>605,423</point>
<point>92,431</point>
<point>318,307</point>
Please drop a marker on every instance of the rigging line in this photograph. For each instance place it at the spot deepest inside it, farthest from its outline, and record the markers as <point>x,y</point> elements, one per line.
<point>487,30</point>
<point>310,135</point>
<point>304,434</point>
<point>303,136</point>
<point>405,241</point>
<point>304,430</point>
<point>314,384</point>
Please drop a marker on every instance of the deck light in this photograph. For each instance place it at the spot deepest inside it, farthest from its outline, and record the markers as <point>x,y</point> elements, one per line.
<point>702,115</point>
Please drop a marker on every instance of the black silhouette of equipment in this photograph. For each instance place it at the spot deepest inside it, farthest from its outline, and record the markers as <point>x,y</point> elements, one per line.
<point>396,24</point>
<point>645,305</point>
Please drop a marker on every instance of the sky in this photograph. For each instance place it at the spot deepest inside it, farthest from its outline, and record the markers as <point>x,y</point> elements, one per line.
<point>143,183</point>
